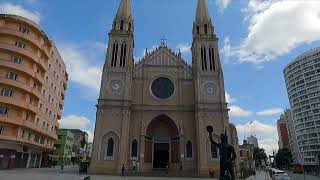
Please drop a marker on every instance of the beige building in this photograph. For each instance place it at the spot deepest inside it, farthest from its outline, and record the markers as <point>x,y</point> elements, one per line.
<point>154,112</point>
<point>33,81</point>
<point>246,156</point>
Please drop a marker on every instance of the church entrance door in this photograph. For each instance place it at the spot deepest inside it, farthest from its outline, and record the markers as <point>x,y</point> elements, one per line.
<point>161,155</point>
<point>162,143</point>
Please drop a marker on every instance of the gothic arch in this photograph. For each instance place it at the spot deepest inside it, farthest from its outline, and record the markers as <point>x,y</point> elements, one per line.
<point>165,120</point>
<point>110,138</point>
<point>134,149</point>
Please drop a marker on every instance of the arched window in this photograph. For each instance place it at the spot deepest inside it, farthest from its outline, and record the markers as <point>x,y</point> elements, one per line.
<point>123,55</point>
<point>205,29</point>
<point>214,151</point>
<point>110,147</point>
<point>212,59</point>
<point>204,58</point>
<point>129,27</point>
<point>189,149</point>
<point>114,55</point>
<point>121,25</point>
<point>198,29</point>
<point>134,149</point>
<point>114,26</point>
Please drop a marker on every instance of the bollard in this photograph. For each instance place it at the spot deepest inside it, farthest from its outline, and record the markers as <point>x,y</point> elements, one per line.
<point>87,178</point>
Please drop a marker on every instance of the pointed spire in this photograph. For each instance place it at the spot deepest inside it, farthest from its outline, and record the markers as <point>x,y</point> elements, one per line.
<point>124,11</point>
<point>202,14</point>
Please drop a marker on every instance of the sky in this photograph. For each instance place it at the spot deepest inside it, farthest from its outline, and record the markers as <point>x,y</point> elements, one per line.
<point>257,38</point>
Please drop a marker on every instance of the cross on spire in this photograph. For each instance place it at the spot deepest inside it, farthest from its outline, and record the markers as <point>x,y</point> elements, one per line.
<point>163,41</point>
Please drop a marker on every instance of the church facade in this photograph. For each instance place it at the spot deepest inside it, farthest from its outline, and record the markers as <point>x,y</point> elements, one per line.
<point>153,114</point>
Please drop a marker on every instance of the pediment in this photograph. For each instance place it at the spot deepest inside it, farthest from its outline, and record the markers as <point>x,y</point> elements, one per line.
<point>163,57</point>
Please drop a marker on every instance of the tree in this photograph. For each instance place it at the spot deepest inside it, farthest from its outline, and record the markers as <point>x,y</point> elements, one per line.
<point>283,158</point>
<point>259,156</point>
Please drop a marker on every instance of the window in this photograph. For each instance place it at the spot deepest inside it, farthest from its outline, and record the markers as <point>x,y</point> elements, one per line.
<point>214,151</point>
<point>1,130</point>
<point>205,29</point>
<point>123,55</point>
<point>203,58</point>
<point>3,111</point>
<point>114,55</point>
<point>11,75</point>
<point>198,29</point>
<point>129,27</point>
<point>6,92</point>
<point>16,59</point>
<point>110,147</point>
<point>162,88</point>
<point>211,59</point>
<point>189,149</point>
<point>20,44</point>
<point>24,30</point>
<point>134,149</point>
<point>121,25</point>
<point>114,25</point>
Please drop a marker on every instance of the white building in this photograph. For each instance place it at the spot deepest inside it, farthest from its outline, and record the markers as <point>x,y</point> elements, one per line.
<point>253,140</point>
<point>302,77</point>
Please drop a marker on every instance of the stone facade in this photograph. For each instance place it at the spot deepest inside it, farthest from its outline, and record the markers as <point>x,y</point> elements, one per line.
<point>153,114</point>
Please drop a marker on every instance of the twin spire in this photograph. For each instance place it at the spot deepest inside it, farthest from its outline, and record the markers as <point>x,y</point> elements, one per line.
<point>202,15</point>
<point>124,11</point>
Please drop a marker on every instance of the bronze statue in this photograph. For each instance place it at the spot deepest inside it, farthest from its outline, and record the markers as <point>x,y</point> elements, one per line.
<point>227,155</point>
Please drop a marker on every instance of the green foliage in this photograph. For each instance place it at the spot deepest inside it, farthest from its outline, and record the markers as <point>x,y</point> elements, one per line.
<point>283,158</point>
<point>259,156</point>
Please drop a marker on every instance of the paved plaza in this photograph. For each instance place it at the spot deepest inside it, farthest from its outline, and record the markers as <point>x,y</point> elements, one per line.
<point>71,173</point>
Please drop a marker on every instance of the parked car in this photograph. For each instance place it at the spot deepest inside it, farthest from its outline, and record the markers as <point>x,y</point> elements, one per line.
<point>277,174</point>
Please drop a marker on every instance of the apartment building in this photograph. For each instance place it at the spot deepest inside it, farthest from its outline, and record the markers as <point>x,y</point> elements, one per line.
<point>33,80</point>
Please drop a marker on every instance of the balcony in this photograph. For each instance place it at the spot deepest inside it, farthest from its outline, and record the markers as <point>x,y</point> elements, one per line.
<point>23,52</point>
<point>19,103</point>
<point>39,130</point>
<point>20,85</point>
<point>26,37</point>
<point>11,120</point>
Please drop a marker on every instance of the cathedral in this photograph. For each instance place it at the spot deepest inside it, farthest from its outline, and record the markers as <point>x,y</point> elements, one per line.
<point>152,114</point>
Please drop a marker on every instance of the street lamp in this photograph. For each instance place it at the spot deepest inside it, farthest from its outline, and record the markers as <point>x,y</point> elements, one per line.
<point>244,130</point>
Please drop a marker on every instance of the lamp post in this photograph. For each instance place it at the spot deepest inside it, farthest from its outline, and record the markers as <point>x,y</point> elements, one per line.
<point>244,130</point>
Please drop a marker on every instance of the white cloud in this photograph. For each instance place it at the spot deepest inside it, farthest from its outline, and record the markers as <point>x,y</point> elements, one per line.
<point>266,134</point>
<point>270,112</point>
<point>229,99</point>
<point>8,8</point>
<point>74,122</point>
<point>275,28</point>
<point>223,4</point>
<point>237,111</point>
<point>78,122</point>
<point>184,47</point>
<point>80,65</point>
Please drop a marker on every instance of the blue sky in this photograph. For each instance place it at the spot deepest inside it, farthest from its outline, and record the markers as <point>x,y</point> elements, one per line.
<point>256,40</point>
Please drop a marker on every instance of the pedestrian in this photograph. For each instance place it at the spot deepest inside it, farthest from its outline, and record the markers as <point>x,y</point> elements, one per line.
<point>181,166</point>
<point>134,168</point>
<point>62,166</point>
<point>123,170</point>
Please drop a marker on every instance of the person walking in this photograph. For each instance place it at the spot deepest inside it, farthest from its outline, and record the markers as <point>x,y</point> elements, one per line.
<point>123,171</point>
